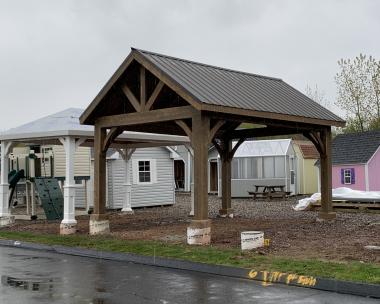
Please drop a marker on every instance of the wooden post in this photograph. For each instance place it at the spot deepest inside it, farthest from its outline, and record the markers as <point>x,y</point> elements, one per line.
<point>199,232</point>
<point>225,158</point>
<point>99,223</point>
<point>326,177</point>
<point>201,126</point>
<point>99,172</point>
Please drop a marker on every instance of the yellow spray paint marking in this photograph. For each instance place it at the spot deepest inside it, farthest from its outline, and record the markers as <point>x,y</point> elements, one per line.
<point>291,277</point>
<point>252,274</point>
<point>265,279</point>
<point>266,242</point>
<point>274,277</point>
<point>307,281</point>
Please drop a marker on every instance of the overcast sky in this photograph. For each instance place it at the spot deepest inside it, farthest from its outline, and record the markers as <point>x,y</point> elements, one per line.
<point>58,54</point>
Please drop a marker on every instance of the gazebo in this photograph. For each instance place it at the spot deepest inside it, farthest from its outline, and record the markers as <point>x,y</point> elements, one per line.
<point>63,128</point>
<point>165,95</point>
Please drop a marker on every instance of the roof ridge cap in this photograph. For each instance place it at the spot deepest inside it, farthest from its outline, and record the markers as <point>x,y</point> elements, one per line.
<point>207,65</point>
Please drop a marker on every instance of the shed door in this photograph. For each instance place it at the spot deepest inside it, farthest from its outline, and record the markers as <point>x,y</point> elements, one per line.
<point>292,175</point>
<point>213,176</point>
<point>179,174</point>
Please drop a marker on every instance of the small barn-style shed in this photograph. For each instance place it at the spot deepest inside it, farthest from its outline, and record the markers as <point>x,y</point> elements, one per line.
<point>157,191</point>
<point>257,162</point>
<point>156,93</point>
<point>307,174</point>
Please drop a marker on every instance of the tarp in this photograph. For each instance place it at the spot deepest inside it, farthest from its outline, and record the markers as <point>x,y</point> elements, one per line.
<point>343,193</point>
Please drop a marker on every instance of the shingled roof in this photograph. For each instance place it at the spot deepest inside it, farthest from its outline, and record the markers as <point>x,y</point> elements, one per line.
<point>308,150</point>
<point>221,87</point>
<point>355,148</point>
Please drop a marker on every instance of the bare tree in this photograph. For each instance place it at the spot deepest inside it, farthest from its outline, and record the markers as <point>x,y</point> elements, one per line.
<point>373,67</point>
<point>317,95</point>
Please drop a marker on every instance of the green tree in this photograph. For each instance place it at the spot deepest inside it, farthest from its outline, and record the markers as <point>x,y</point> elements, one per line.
<point>353,88</point>
<point>358,84</point>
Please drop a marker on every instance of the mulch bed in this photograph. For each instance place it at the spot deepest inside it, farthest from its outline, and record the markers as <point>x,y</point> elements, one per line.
<point>291,233</point>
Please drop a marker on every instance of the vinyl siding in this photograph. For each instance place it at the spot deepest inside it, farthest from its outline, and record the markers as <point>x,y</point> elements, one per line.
<point>115,183</point>
<point>81,168</point>
<point>374,172</point>
<point>161,192</point>
<point>82,161</point>
<point>142,195</point>
<point>359,177</point>
<point>80,196</point>
<point>310,177</point>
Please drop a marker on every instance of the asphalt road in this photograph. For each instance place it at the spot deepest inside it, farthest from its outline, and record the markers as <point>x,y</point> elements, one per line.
<point>29,276</point>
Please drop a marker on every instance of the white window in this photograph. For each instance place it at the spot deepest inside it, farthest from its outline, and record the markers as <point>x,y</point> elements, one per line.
<point>144,171</point>
<point>347,177</point>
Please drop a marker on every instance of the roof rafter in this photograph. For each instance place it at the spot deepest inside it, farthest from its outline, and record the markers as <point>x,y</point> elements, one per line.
<point>154,95</point>
<point>131,97</point>
<point>153,116</point>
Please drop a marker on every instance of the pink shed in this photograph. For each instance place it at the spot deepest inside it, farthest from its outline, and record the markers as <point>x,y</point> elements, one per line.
<point>359,177</point>
<point>374,171</point>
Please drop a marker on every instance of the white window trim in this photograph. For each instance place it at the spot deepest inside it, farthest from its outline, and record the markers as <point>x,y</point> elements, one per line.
<point>153,171</point>
<point>349,175</point>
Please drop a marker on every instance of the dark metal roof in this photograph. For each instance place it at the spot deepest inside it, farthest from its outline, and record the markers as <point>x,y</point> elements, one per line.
<point>223,87</point>
<point>355,148</point>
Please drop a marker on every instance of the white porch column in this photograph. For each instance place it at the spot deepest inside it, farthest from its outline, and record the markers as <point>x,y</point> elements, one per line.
<point>68,224</point>
<point>5,216</point>
<point>127,205</point>
<point>191,167</point>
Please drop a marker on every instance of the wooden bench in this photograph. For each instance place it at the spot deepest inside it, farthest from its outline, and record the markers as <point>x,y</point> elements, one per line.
<point>277,194</point>
<point>258,194</point>
<point>269,192</point>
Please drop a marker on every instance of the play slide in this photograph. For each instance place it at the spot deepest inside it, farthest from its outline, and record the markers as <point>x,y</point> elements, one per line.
<point>13,178</point>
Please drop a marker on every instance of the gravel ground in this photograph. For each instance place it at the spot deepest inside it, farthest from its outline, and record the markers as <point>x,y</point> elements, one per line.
<point>291,233</point>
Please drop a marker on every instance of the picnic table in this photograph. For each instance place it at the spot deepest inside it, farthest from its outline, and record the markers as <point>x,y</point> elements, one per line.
<point>269,191</point>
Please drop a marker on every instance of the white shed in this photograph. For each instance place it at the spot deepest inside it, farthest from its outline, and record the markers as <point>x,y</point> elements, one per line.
<point>156,190</point>
<point>257,162</point>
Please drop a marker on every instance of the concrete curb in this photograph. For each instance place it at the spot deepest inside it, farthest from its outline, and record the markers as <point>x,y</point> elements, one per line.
<point>266,277</point>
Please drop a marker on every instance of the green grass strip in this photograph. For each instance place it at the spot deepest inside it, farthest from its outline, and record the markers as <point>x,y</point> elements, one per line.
<point>350,271</point>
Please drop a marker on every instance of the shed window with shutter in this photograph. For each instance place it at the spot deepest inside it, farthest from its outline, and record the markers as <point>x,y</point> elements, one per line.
<point>348,176</point>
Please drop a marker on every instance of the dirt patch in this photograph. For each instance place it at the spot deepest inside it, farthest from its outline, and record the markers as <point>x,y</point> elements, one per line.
<point>291,233</point>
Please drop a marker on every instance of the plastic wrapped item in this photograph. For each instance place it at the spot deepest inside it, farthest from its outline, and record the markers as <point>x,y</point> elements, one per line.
<point>343,193</point>
<point>305,203</point>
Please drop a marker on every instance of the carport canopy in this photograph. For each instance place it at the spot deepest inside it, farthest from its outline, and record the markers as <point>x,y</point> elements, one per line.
<point>160,94</point>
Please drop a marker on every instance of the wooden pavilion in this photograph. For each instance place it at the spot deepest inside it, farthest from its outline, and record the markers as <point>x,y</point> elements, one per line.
<point>160,94</point>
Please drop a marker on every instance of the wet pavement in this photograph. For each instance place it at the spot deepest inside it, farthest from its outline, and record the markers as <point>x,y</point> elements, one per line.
<point>29,276</point>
